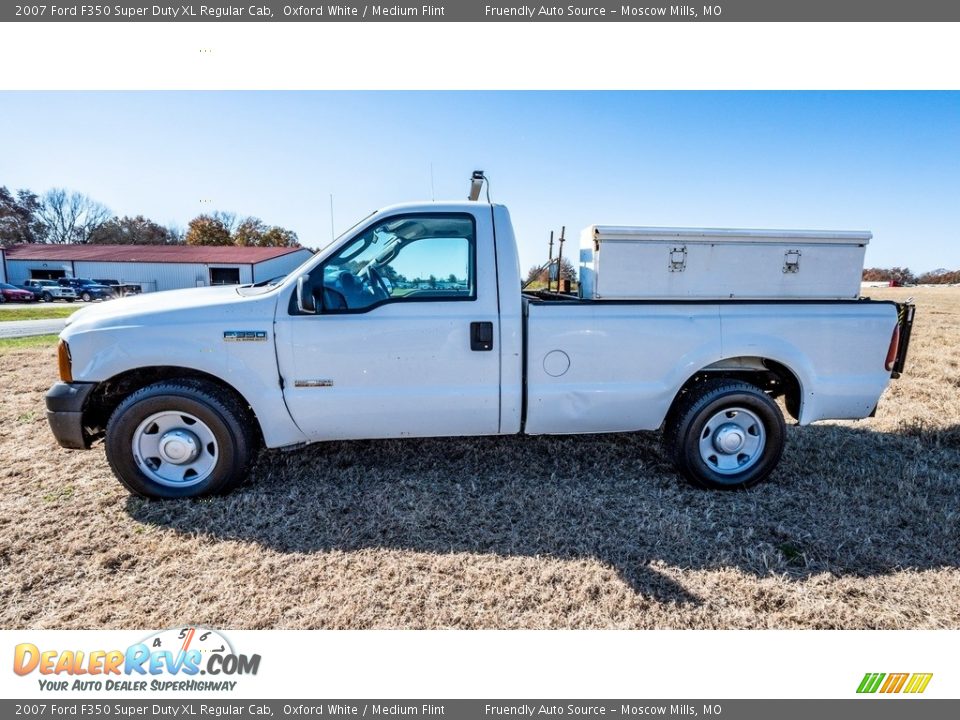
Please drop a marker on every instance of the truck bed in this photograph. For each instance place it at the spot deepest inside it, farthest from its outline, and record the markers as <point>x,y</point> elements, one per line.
<point>617,365</point>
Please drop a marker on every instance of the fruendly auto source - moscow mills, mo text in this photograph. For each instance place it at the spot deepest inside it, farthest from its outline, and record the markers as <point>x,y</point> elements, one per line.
<point>531,12</point>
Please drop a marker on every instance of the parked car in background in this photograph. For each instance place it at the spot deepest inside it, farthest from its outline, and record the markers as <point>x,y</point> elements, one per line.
<point>88,290</point>
<point>50,290</point>
<point>35,291</point>
<point>119,288</point>
<point>11,293</point>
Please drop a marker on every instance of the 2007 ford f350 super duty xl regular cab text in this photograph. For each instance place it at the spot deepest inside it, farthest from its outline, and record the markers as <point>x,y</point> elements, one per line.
<point>414,325</point>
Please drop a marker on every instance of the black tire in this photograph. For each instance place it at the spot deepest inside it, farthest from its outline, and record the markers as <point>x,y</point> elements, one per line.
<point>695,428</point>
<point>46,297</point>
<point>231,426</point>
<point>86,297</point>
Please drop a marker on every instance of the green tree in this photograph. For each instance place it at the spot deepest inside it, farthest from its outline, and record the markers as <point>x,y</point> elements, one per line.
<point>207,230</point>
<point>131,231</point>
<point>253,232</point>
<point>249,232</point>
<point>279,237</point>
<point>19,218</point>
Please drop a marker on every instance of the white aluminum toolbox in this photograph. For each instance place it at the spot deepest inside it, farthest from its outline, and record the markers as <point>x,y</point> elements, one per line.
<point>634,263</point>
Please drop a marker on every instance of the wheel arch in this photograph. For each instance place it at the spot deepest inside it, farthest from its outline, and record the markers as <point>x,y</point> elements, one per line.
<point>772,376</point>
<point>110,393</point>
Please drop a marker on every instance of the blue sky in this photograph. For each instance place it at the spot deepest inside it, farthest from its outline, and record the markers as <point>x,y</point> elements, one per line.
<point>882,161</point>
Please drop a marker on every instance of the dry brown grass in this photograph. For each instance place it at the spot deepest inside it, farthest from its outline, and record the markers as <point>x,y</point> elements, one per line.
<point>860,528</point>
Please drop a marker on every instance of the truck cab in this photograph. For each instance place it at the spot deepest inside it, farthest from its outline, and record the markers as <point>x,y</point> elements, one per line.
<point>414,323</point>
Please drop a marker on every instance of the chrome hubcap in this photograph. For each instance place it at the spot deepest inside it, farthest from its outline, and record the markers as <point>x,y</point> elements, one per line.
<point>732,441</point>
<point>175,449</point>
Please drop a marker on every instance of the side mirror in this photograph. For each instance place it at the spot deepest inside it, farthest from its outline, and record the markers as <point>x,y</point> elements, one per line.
<point>306,302</point>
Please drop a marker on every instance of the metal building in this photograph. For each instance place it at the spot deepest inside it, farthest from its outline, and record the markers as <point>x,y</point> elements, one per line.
<point>152,267</point>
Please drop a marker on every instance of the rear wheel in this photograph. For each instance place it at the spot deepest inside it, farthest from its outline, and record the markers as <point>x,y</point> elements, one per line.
<point>180,440</point>
<point>725,435</point>
<point>86,297</point>
<point>47,297</point>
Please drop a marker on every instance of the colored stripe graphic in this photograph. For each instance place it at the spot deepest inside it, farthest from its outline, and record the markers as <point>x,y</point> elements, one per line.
<point>870,682</point>
<point>918,683</point>
<point>894,683</point>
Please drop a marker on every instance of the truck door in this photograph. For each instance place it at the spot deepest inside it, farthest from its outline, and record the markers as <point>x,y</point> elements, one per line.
<point>403,339</point>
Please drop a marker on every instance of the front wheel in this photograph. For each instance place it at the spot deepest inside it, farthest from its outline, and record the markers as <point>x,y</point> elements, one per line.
<point>725,435</point>
<point>86,297</point>
<point>46,297</point>
<point>179,440</point>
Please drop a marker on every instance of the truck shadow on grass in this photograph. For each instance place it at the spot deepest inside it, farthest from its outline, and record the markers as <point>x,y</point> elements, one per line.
<point>844,501</point>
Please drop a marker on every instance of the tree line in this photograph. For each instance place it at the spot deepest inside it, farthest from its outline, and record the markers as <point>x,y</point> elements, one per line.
<point>62,217</point>
<point>903,276</point>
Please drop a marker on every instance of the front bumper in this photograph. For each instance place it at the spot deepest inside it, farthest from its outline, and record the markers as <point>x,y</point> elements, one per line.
<point>65,403</point>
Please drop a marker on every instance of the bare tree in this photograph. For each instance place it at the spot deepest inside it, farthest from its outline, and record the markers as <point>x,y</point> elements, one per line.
<point>70,217</point>
<point>227,219</point>
<point>176,234</point>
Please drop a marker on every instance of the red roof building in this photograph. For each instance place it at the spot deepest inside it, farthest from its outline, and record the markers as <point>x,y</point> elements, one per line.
<point>153,267</point>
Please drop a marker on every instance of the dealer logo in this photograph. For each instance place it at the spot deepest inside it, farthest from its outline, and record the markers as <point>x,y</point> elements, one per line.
<point>168,660</point>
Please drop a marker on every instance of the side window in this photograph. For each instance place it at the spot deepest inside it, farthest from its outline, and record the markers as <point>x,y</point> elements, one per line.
<point>403,259</point>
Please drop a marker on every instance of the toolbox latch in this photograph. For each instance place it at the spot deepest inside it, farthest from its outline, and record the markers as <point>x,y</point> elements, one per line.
<point>791,261</point>
<point>678,259</point>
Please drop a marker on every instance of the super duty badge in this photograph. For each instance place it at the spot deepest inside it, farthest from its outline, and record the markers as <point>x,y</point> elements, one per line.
<point>244,336</point>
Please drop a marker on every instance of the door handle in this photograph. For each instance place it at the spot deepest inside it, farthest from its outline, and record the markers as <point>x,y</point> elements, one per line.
<point>481,336</point>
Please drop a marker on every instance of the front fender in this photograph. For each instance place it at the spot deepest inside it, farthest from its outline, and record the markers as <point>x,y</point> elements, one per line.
<point>99,354</point>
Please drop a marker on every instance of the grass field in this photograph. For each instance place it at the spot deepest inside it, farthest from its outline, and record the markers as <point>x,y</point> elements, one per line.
<point>8,345</point>
<point>859,528</point>
<point>38,312</point>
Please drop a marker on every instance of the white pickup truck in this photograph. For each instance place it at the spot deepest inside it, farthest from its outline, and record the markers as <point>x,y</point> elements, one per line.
<point>50,290</point>
<point>414,324</point>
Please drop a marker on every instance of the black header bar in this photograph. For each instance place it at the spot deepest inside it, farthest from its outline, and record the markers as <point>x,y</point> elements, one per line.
<point>488,11</point>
